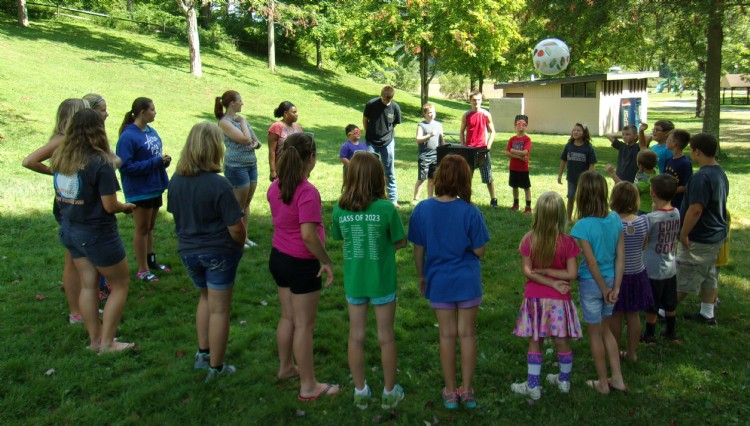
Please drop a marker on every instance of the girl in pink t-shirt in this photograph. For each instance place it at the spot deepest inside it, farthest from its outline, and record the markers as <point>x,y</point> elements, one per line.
<point>279,131</point>
<point>549,263</point>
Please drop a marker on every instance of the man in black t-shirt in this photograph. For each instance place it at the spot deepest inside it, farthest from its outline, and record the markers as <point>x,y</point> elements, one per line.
<point>381,116</point>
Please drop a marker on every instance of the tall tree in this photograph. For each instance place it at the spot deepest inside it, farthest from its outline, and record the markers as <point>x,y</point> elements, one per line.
<point>271,16</point>
<point>189,9</point>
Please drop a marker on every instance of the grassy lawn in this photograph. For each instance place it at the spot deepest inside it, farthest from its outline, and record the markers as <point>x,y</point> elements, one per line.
<point>705,379</point>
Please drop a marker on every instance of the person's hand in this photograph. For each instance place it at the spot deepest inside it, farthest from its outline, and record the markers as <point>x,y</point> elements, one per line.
<point>273,175</point>
<point>562,286</point>
<point>327,269</point>
<point>422,285</point>
<point>609,168</point>
<point>559,180</point>
<point>685,241</point>
<point>643,127</point>
<point>612,296</point>
<point>128,208</point>
<point>166,159</point>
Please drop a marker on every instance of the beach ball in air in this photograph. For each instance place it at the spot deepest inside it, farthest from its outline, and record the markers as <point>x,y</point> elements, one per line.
<point>551,56</point>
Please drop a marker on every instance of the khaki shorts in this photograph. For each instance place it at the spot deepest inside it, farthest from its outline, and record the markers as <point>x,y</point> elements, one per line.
<point>695,267</point>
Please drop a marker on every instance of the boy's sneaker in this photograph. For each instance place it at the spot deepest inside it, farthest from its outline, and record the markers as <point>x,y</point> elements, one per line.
<point>493,203</point>
<point>515,207</point>
<point>75,319</point>
<point>555,380</point>
<point>647,339</point>
<point>673,337</point>
<point>390,400</point>
<point>202,360</point>
<point>450,399</point>
<point>524,389</point>
<point>147,277</point>
<point>361,400</point>
<point>227,370</point>
<point>467,398</point>
<point>527,210</point>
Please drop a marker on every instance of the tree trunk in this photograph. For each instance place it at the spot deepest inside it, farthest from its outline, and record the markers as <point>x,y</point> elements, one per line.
<point>271,37</point>
<point>481,82</point>
<point>130,5</point>
<point>23,14</point>
<point>206,14</point>
<point>715,39</point>
<point>319,53</point>
<point>424,81</point>
<point>196,67</point>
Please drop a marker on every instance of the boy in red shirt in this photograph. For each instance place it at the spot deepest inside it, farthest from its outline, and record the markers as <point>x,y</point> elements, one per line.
<point>477,131</point>
<point>518,150</point>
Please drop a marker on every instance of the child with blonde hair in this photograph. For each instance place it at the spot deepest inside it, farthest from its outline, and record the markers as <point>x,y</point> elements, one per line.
<point>549,264</point>
<point>372,231</point>
<point>599,233</point>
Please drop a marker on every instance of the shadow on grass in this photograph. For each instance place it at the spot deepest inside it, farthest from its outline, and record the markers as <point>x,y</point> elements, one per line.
<point>104,47</point>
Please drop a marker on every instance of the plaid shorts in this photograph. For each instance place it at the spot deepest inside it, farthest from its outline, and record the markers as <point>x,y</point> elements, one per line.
<point>486,171</point>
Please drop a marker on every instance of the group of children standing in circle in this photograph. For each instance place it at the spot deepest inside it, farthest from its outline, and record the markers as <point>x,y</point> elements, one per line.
<point>211,220</point>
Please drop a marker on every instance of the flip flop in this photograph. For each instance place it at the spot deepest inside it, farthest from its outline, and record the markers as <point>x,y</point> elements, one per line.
<point>612,388</point>
<point>329,390</point>
<point>116,347</point>
<point>624,357</point>
<point>592,385</point>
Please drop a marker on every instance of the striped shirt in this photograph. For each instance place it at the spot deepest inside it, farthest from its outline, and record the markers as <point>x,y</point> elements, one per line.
<point>635,233</point>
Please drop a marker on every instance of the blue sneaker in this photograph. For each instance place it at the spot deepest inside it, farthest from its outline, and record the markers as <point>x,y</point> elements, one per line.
<point>361,400</point>
<point>467,398</point>
<point>202,361</point>
<point>227,370</point>
<point>391,399</point>
<point>450,399</point>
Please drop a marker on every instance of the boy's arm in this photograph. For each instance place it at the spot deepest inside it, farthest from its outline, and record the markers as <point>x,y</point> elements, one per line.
<point>461,137</point>
<point>642,140</point>
<point>344,161</point>
<point>692,215</point>
<point>421,137</point>
<point>612,137</point>
<point>491,128</point>
<point>610,169</point>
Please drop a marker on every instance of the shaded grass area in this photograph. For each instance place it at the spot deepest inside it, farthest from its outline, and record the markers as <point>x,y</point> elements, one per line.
<point>702,381</point>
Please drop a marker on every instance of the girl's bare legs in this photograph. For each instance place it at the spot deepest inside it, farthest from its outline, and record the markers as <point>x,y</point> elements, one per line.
<point>285,335</point>
<point>385,315</point>
<point>118,278</point>
<point>613,354</point>
<point>467,327</point>
<point>244,196</point>
<point>201,320</point>
<point>634,334</point>
<point>219,307</point>
<point>448,330</point>
<point>304,310</point>
<point>571,204</point>
<point>71,284</point>
<point>143,237</point>
<point>430,187</point>
<point>615,325</point>
<point>599,354</point>
<point>356,354</point>
<point>562,344</point>
<point>88,301</point>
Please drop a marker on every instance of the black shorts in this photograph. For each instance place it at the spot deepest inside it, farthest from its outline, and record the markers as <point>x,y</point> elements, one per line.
<point>427,164</point>
<point>665,295</point>
<point>299,275</point>
<point>518,179</point>
<point>149,203</point>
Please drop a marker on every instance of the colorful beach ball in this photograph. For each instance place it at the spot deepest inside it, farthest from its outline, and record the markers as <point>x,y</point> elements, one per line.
<point>551,56</point>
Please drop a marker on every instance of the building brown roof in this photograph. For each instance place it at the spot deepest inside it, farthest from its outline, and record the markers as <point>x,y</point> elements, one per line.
<point>735,80</point>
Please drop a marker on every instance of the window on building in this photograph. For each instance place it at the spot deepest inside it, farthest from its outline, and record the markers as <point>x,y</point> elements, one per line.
<point>513,95</point>
<point>578,90</point>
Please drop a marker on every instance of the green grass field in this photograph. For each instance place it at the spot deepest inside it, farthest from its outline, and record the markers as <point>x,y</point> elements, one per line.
<point>704,380</point>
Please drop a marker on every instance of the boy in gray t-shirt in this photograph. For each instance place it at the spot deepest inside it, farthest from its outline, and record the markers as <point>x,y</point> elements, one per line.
<point>659,256</point>
<point>429,137</point>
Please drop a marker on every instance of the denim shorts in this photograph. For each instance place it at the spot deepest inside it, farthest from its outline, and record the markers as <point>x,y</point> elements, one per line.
<point>384,300</point>
<point>241,177</point>
<point>591,299</point>
<point>103,248</point>
<point>215,271</point>
<point>572,186</point>
<point>465,304</point>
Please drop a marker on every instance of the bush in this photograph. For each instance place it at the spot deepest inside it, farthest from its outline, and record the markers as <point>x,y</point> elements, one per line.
<point>454,86</point>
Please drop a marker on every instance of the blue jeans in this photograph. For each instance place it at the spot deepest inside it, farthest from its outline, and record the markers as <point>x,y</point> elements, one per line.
<point>387,156</point>
<point>215,271</point>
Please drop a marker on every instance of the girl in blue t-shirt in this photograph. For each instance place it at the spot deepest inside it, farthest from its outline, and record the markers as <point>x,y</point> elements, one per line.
<point>372,231</point>
<point>549,264</point>
<point>599,233</point>
<point>447,260</point>
<point>635,294</point>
